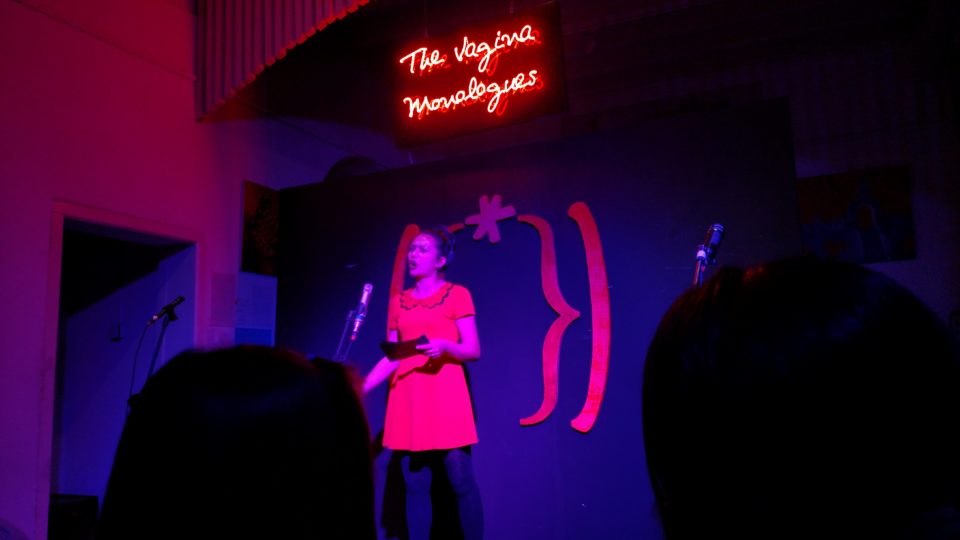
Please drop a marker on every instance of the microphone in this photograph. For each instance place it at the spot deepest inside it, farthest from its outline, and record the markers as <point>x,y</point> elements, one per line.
<point>361,312</point>
<point>707,252</point>
<point>167,310</point>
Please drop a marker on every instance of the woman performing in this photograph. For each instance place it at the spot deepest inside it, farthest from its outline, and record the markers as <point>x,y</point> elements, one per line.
<point>429,419</point>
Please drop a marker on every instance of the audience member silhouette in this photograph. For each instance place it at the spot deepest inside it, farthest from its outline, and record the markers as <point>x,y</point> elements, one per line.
<point>248,442</point>
<point>803,398</point>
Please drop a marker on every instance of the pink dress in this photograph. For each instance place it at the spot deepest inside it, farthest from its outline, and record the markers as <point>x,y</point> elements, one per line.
<point>429,407</point>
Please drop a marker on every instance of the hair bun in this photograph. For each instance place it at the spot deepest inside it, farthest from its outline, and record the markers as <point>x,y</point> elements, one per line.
<point>445,241</point>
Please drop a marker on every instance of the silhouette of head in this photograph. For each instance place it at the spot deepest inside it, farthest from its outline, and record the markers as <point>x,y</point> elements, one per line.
<point>802,398</point>
<point>248,442</point>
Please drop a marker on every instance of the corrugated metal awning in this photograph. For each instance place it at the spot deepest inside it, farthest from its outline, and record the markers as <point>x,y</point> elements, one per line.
<point>238,39</point>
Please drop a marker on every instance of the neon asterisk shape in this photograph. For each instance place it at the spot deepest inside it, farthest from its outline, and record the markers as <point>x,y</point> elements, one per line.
<point>490,213</point>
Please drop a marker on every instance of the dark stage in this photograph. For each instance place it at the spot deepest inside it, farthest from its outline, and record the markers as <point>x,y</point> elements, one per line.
<point>256,163</point>
<point>548,480</point>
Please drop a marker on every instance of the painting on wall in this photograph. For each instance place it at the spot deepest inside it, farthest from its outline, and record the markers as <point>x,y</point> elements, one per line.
<point>261,228</point>
<point>860,216</point>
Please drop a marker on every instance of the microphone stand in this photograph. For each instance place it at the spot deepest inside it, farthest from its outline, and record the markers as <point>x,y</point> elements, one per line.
<point>351,327</point>
<point>703,260</point>
<point>707,252</point>
<point>346,338</point>
<point>170,316</point>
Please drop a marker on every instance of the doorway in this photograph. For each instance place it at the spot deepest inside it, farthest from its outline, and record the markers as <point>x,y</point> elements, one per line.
<point>113,280</point>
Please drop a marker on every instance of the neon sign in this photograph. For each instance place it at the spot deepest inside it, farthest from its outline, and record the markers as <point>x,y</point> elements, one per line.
<point>494,93</point>
<point>501,72</point>
<point>426,62</point>
<point>492,212</point>
<point>476,91</point>
<point>502,42</point>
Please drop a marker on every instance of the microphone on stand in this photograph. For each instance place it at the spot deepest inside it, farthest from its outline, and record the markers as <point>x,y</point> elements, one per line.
<point>167,310</point>
<point>707,252</point>
<point>361,311</point>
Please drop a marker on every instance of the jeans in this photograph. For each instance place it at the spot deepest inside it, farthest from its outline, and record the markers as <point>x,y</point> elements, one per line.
<point>418,470</point>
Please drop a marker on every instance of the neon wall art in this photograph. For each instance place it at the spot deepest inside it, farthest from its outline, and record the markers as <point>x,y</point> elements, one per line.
<point>493,211</point>
<point>489,75</point>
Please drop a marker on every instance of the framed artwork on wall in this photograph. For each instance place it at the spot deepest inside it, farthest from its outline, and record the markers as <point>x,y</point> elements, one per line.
<point>859,216</point>
<point>261,223</point>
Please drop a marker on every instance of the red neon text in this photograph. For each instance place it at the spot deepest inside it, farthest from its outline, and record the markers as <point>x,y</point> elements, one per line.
<point>476,91</point>
<point>472,50</point>
<point>426,61</point>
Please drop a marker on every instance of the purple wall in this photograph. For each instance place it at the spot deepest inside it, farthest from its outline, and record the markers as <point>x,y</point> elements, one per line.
<point>98,124</point>
<point>98,119</point>
<point>653,189</point>
<point>97,362</point>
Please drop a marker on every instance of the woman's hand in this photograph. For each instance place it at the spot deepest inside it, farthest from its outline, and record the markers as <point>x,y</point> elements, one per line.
<point>435,349</point>
<point>465,350</point>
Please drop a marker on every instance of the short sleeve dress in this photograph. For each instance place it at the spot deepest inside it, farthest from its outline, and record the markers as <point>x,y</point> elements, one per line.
<point>429,406</point>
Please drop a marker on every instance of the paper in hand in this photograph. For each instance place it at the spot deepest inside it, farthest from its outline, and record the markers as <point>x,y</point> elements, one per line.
<point>402,349</point>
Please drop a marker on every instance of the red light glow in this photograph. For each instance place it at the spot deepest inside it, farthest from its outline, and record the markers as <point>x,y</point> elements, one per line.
<point>488,63</point>
<point>473,74</point>
<point>422,61</point>
<point>426,61</point>
<point>475,92</point>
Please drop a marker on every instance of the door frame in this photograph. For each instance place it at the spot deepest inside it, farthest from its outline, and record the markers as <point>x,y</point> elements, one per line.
<point>62,211</point>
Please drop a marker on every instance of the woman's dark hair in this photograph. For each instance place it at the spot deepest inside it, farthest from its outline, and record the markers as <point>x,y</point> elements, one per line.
<point>248,442</point>
<point>445,242</point>
<point>803,398</point>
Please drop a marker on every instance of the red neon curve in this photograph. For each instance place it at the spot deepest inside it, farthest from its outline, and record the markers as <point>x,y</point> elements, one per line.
<point>600,313</point>
<point>400,267</point>
<point>566,315</point>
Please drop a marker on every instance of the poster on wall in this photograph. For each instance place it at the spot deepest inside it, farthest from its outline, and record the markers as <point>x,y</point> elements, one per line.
<point>495,73</point>
<point>261,229</point>
<point>859,216</point>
